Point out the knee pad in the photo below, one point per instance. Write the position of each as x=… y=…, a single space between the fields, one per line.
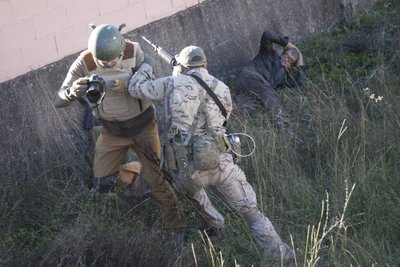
x=128 y=173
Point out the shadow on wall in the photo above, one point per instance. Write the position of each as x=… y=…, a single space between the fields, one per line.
x=39 y=141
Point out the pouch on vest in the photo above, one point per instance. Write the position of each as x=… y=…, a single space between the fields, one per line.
x=205 y=153
x=180 y=150
x=169 y=156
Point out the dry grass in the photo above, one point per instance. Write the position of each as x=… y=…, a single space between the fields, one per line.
x=347 y=149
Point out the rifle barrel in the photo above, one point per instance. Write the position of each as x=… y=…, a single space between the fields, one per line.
x=163 y=53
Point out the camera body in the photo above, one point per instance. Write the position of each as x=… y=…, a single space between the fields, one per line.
x=96 y=89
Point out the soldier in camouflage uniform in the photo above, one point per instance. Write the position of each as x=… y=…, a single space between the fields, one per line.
x=190 y=115
x=126 y=122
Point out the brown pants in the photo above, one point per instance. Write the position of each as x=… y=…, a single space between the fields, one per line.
x=110 y=152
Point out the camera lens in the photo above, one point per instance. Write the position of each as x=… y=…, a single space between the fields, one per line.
x=93 y=93
x=96 y=87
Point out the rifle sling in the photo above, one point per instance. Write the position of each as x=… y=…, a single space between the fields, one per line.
x=212 y=94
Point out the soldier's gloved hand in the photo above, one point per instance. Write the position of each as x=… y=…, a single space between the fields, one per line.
x=78 y=88
x=149 y=60
x=176 y=70
x=119 y=86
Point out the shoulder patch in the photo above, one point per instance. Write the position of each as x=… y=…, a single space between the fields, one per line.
x=88 y=59
x=128 y=53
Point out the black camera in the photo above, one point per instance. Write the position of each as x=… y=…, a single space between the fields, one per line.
x=96 y=88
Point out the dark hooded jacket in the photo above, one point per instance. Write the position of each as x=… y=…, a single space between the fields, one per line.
x=265 y=74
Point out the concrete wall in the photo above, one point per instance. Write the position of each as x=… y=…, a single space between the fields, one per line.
x=38 y=32
x=36 y=136
x=230 y=30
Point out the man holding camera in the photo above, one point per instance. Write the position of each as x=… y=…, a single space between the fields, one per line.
x=101 y=74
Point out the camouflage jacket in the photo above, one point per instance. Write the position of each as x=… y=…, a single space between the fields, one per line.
x=180 y=95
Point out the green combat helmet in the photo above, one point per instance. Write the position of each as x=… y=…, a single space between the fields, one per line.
x=192 y=56
x=106 y=42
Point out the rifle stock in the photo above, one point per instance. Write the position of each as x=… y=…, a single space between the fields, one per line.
x=163 y=53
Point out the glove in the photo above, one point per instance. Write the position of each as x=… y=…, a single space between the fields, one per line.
x=119 y=87
x=78 y=88
x=176 y=70
x=149 y=60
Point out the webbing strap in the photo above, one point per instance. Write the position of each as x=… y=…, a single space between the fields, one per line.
x=196 y=117
x=211 y=93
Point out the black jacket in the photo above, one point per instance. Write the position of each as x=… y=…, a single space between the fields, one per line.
x=265 y=73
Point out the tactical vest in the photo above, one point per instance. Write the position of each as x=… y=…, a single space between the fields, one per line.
x=116 y=106
x=203 y=150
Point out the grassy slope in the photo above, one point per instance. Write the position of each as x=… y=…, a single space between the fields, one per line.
x=347 y=137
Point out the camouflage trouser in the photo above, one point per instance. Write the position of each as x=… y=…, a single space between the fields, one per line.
x=110 y=152
x=231 y=184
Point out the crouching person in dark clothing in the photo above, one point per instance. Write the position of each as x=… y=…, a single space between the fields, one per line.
x=258 y=81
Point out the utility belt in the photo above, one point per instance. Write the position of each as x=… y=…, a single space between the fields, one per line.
x=131 y=127
x=202 y=151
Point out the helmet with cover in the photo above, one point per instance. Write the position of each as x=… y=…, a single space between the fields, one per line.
x=192 y=56
x=106 y=42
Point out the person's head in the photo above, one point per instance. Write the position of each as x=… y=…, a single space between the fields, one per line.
x=192 y=57
x=106 y=44
x=290 y=57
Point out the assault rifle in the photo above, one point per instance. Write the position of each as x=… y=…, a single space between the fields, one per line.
x=170 y=178
x=163 y=53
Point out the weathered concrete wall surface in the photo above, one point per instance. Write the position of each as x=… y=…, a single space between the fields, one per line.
x=230 y=30
x=35 y=136
x=38 y=32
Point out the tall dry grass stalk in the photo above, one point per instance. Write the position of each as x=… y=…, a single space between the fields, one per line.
x=320 y=234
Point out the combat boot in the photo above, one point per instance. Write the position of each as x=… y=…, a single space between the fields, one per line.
x=105 y=184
